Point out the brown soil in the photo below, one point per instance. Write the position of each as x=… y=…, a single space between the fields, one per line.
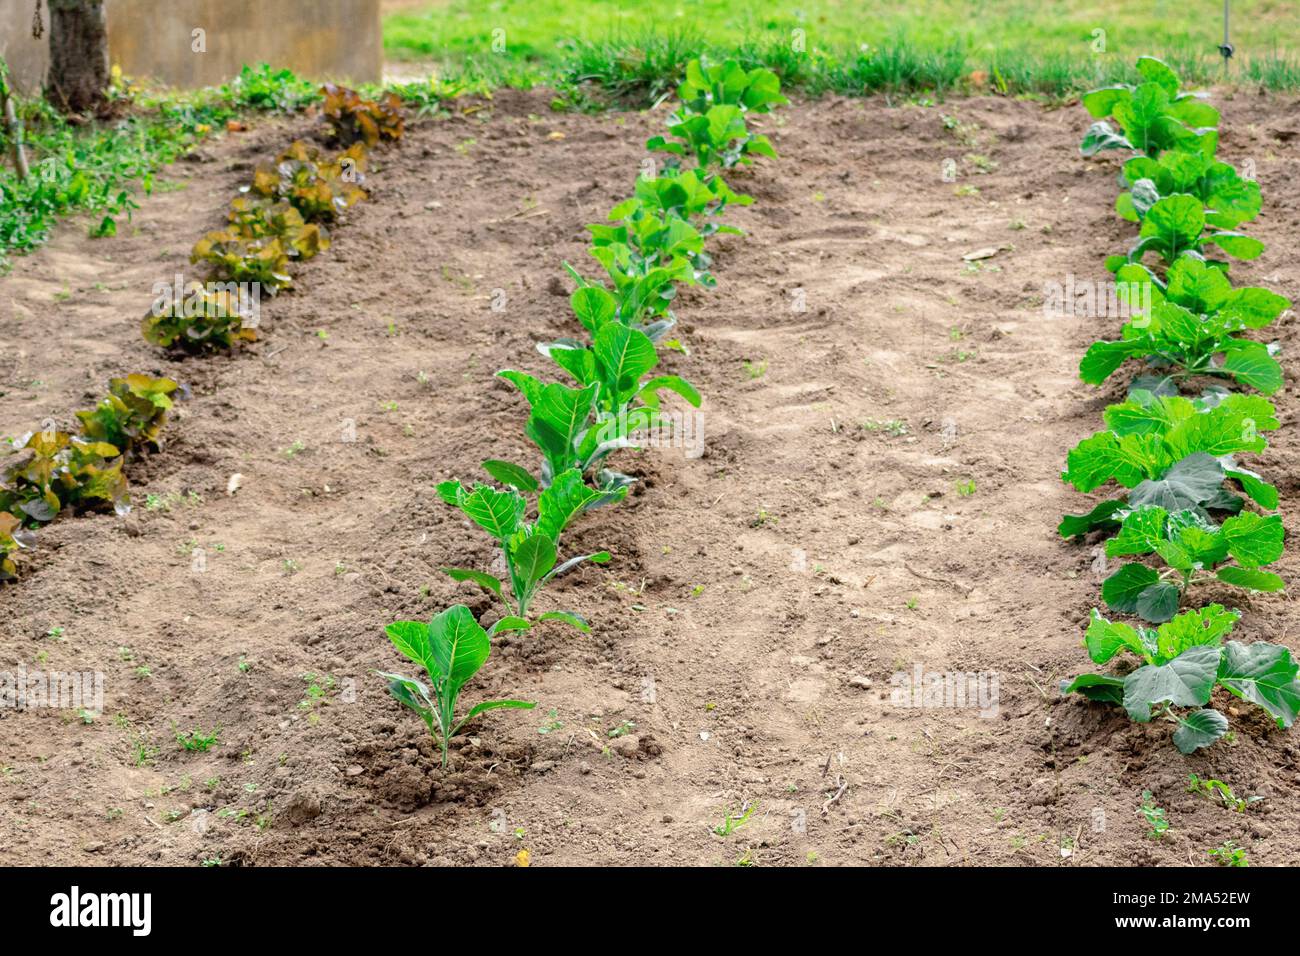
x=815 y=547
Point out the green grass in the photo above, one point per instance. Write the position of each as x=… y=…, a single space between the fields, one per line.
x=634 y=51
x=92 y=169
x=98 y=169
x=599 y=51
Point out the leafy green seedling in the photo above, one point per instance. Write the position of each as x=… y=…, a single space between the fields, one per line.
x=1154 y=816
x=196 y=740
x=717 y=137
x=1194 y=551
x=626 y=400
x=451 y=648
x=561 y=422
x=729 y=84
x=530 y=550
x=1153 y=116
x=1183 y=661
x=731 y=823
x=1177 y=226
x=686 y=194
x=623 y=729
x=1189 y=326
x=1228 y=199
x=1220 y=791
x=553 y=723
x=643 y=288
x=1229 y=854
x=1174 y=453
x=648 y=239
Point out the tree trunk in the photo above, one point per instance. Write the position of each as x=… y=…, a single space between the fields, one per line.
x=79 y=71
x=15 y=130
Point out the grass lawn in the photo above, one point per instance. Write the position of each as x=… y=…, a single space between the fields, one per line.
x=1014 y=45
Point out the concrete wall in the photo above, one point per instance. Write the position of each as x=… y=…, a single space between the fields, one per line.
x=28 y=58
x=319 y=39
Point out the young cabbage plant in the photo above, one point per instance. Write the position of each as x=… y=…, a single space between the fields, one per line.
x=617 y=360
x=1176 y=226
x=529 y=549
x=717 y=137
x=1228 y=199
x=1173 y=452
x=564 y=424
x=1178 y=344
x=1153 y=116
x=560 y=421
x=451 y=648
x=1202 y=287
x=729 y=84
x=685 y=194
x=655 y=239
x=580 y=427
x=1189 y=327
x=643 y=291
x=1182 y=662
x=1194 y=551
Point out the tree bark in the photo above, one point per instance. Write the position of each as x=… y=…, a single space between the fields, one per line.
x=79 y=72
